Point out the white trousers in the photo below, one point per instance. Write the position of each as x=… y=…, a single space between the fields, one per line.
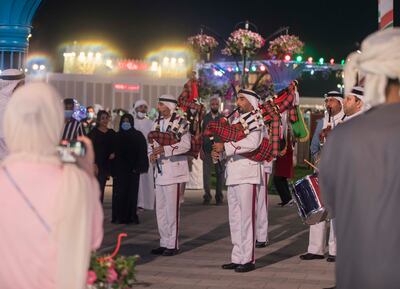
x=242 y=221
x=262 y=211
x=146 y=194
x=167 y=211
x=317 y=241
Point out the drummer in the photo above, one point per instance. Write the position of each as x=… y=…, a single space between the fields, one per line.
x=317 y=238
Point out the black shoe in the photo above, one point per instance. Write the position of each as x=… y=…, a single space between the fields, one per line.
x=245 y=268
x=331 y=258
x=206 y=202
x=283 y=204
x=261 y=244
x=170 y=252
x=158 y=251
x=219 y=203
x=230 y=266
x=136 y=221
x=310 y=256
x=334 y=287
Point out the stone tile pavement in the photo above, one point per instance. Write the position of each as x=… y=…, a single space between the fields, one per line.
x=205 y=245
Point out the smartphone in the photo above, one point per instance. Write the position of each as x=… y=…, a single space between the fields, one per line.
x=67 y=149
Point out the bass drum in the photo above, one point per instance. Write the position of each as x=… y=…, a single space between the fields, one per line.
x=306 y=194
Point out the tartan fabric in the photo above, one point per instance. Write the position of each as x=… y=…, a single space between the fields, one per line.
x=293 y=117
x=162 y=138
x=269 y=147
x=283 y=102
x=196 y=143
x=184 y=103
x=225 y=132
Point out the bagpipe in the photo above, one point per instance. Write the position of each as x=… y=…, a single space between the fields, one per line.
x=189 y=121
x=267 y=114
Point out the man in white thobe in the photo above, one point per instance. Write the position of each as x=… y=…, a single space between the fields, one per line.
x=146 y=195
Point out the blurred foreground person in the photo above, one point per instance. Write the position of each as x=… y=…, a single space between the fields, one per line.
x=359 y=171
x=10 y=80
x=51 y=215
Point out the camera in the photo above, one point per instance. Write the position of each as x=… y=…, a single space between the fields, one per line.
x=68 y=150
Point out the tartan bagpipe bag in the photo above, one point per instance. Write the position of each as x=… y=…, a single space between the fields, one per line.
x=177 y=127
x=269 y=113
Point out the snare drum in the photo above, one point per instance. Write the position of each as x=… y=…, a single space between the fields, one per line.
x=306 y=194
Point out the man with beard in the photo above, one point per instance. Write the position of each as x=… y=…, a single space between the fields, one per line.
x=317 y=238
x=208 y=165
x=243 y=178
x=173 y=172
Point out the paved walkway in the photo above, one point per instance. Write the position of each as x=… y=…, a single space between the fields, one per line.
x=205 y=245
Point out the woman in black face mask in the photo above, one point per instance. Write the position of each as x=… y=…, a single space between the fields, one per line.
x=130 y=161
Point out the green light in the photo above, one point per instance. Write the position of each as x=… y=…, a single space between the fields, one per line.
x=253 y=68
x=342 y=62
x=299 y=58
x=321 y=61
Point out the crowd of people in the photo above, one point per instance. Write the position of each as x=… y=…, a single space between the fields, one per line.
x=57 y=205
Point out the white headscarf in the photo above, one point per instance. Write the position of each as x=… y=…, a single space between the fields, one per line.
x=379 y=60
x=169 y=100
x=139 y=103
x=33 y=123
x=251 y=96
x=6 y=89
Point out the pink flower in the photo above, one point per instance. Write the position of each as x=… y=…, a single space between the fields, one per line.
x=111 y=275
x=91 y=278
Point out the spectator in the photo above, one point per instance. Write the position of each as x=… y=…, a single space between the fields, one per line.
x=90 y=122
x=103 y=144
x=72 y=127
x=130 y=161
x=213 y=115
x=52 y=210
x=10 y=80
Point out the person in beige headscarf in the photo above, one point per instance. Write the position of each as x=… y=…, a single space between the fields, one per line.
x=359 y=170
x=10 y=80
x=51 y=216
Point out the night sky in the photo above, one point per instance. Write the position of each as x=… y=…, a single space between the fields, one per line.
x=330 y=28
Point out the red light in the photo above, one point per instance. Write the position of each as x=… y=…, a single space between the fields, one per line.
x=310 y=60
x=230 y=69
x=124 y=86
x=262 y=68
x=287 y=57
x=332 y=61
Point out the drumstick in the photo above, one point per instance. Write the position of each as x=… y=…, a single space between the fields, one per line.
x=310 y=164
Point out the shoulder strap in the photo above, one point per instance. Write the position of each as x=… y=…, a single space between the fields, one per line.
x=26 y=199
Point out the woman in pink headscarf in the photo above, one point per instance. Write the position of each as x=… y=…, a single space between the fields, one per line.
x=51 y=217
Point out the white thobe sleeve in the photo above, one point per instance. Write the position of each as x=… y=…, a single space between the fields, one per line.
x=179 y=148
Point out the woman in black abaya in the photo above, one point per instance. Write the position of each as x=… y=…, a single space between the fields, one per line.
x=130 y=161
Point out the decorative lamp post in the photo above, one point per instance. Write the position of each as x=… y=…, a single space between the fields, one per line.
x=15 y=30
